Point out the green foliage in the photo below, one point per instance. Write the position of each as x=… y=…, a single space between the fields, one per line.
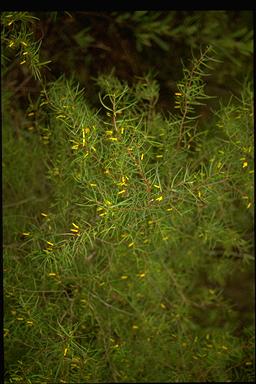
x=226 y=32
x=149 y=28
x=128 y=232
x=18 y=39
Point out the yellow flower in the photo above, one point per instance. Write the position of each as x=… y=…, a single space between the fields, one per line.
x=245 y=164
x=74 y=230
x=160 y=198
x=25 y=234
x=123 y=181
x=83 y=137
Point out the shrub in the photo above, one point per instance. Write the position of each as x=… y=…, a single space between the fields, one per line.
x=123 y=258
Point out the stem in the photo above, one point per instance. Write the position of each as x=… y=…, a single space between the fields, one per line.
x=138 y=165
x=191 y=76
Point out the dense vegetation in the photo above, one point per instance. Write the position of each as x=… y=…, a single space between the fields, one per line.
x=128 y=196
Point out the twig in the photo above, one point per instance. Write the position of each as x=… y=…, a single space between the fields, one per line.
x=23 y=202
